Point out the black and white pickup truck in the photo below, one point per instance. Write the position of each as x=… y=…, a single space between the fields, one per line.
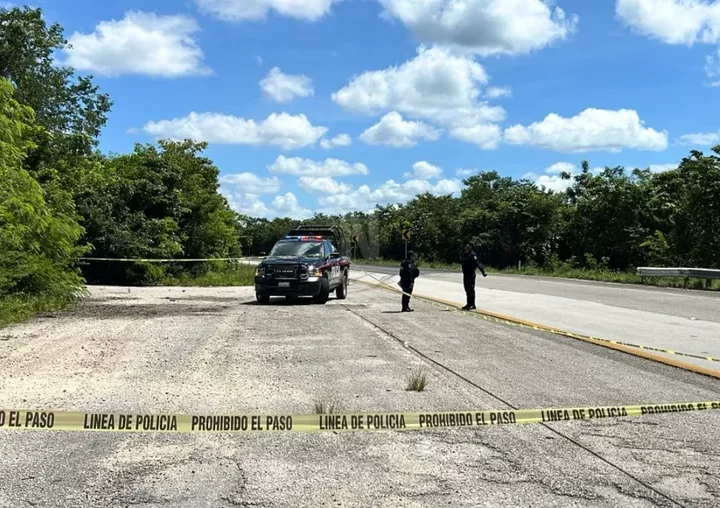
x=309 y=261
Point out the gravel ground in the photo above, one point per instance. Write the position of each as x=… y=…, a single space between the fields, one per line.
x=213 y=350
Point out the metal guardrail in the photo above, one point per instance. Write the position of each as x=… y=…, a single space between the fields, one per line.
x=695 y=273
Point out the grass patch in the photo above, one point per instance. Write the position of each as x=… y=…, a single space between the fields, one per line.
x=236 y=275
x=326 y=406
x=417 y=381
x=15 y=308
x=598 y=274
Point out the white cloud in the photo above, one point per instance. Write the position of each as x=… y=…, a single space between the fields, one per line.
x=259 y=60
x=673 y=21
x=423 y=170
x=700 y=138
x=549 y=182
x=323 y=184
x=307 y=167
x=686 y=22
x=712 y=68
x=339 y=140
x=592 y=129
x=438 y=86
x=487 y=136
x=284 y=88
x=140 y=43
x=464 y=173
x=485 y=27
x=661 y=168
x=283 y=205
x=246 y=204
x=560 y=167
x=287 y=205
x=286 y=131
x=254 y=10
x=496 y=92
x=252 y=183
x=392 y=130
x=243 y=191
x=551 y=177
x=364 y=198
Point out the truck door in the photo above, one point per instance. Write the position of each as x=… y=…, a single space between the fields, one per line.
x=335 y=265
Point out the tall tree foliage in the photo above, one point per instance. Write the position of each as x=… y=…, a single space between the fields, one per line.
x=157 y=202
x=614 y=219
x=39 y=243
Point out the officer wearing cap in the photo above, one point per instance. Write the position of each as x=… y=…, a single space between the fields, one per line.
x=408 y=273
x=470 y=263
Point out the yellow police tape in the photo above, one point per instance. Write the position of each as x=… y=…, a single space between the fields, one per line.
x=517 y=322
x=168 y=260
x=252 y=423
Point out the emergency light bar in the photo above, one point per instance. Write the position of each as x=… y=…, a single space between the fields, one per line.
x=304 y=237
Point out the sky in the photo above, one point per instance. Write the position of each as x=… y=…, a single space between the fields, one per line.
x=338 y=105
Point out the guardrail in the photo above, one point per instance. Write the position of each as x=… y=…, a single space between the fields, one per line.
x=694 y=273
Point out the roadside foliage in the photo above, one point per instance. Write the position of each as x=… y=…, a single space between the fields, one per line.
x=61 y=199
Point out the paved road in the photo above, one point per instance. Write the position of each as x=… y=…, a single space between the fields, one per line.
x=687 y=321
x=701 y=305
x=216 y=351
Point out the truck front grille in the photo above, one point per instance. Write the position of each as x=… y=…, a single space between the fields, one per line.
x=283 y=272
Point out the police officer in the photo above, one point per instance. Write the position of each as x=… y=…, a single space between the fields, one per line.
x=470 y=262
x=408 y=273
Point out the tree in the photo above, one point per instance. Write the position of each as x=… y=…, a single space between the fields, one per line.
x=697 y=220
x=62 y=104
x=38 y=242
x=157 y=202
x=70 y=108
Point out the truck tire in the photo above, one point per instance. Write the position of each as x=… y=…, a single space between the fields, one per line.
x=262 y=299
x=324 y=294
x=341 y=291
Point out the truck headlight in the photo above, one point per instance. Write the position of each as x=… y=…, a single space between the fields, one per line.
x=260 y=271
x=314 y=271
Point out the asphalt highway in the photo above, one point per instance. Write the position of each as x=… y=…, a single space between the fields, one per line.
x=215 y=351
x=679 y=320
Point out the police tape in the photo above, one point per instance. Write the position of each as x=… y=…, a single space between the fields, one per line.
x=489 y=316
x=252 y=423
x=166 y=260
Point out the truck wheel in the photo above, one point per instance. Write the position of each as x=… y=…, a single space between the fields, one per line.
x=341 y=291
x=324 y=295
x=263 y=299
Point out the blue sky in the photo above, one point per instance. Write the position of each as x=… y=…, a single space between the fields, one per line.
x=335 y=105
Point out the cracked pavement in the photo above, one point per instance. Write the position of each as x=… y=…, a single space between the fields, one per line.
x=213 y=350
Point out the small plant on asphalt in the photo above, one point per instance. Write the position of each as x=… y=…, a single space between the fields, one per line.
x=327 y=406
x=417 y=381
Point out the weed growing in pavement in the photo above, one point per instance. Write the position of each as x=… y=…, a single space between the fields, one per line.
x=417 y=381
x=326 y=406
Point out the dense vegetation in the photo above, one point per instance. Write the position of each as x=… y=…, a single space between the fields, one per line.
x=61 y=199
x=613 y=220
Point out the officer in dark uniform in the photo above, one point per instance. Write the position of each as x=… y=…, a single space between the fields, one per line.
x=470 y=262
x=408 y=273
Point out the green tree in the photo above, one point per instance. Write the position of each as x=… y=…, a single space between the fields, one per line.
x=38 y=242
x=63 y=103
x=156 y=202
x=697 y=220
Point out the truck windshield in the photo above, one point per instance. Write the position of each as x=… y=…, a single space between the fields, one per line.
x=293 y=249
